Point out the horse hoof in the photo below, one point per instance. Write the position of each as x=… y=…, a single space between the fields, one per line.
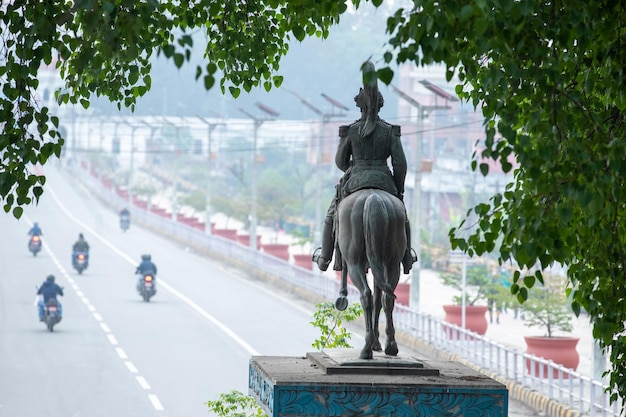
x=366 y=354
x=392 y=349
x=341 y=303
x=377 y=347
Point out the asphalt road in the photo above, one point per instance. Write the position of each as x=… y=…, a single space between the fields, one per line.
x=113 y=354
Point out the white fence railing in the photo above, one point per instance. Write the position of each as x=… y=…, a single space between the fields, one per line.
x=579 y=393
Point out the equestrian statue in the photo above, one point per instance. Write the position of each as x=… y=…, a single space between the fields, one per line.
x=366 y=223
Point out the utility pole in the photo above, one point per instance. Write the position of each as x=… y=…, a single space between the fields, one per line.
x=253 y=176
x=422 y=113
x=324 y=118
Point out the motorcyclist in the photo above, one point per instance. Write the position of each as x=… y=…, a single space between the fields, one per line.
x=49 y=291
x=124 y=218
x=145 y=267
x=35 y=230
x=81 y=245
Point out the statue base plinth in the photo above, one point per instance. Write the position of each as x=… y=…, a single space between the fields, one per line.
x=336 y=383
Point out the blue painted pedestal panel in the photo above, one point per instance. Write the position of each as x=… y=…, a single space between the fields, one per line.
x=307 y=386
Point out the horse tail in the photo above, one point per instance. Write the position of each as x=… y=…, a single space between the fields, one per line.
x=376 y=227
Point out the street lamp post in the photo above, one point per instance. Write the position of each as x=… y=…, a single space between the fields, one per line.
x=151 y=163
x=422 y=112
x=207 y=215
x=253 y=180
x=132 y=158
x=176 y=185
x=324 y=118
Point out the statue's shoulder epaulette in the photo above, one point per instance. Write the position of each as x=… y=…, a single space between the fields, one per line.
x=344 y=129
x=395 y=129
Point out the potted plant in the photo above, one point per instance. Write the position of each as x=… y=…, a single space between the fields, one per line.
x=547 y=308
x=478 y=285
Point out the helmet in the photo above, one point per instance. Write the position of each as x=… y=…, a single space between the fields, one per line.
x=146 y=257
x=50 y=278
x=80 y=236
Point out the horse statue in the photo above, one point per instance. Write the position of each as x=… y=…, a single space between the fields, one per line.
x=371 y=235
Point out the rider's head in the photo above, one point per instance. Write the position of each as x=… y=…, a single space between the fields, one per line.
x=50 y=278
x=80 y=236
x=35 y=224
x=146 y=257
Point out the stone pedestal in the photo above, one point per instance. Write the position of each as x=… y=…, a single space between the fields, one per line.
x=336 y=383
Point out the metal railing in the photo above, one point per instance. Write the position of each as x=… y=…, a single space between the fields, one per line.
x=582 y=394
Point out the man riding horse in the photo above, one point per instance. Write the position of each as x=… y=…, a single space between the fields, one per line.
x=364 y=147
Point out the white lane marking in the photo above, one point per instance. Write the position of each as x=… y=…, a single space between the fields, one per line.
x=85 y=300
x=155 y=402
x=97 y=316
x=143 y=383
x=131 y=367
x=121 y=353
x=163 y=283
x=112 y=339
x=105 y=328
x=79 y=292
x=91 y=308
x=212 y=319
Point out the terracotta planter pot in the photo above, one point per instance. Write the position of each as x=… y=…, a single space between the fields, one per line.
x=561 y=350
x=226 y=233
x=403 y=293
x=475 y=319
x=279 y=250
x=245 y=240
x=303 y=260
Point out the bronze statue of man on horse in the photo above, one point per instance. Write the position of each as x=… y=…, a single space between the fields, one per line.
x=363 y=150
x=368 y=216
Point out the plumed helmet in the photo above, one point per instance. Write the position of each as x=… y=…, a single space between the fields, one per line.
x=50 y=278
x=146 y=257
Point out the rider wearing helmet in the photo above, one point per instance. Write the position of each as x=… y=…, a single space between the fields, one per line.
x=35 y=230
x=49 y=291
x=145 y=267
x=81 y=245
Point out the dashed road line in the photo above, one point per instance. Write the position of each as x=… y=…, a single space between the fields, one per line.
x=121 y=353
x=143 y=383
x=154 y=400
x=131 y=367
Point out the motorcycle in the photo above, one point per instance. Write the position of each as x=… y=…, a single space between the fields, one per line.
x=80 y=262
x=147 y=287
x=124 y=223
x=51 y=314
x=34 y=244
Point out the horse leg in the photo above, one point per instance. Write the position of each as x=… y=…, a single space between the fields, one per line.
x=391 y=347
x=366 y=303
x=375 y=318
x=389 y=300
x=342 y=302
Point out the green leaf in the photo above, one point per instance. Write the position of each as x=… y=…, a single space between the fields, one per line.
x=17 y=212
x=385 y=75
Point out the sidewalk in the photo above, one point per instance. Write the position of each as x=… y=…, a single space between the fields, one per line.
x=510 y=331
